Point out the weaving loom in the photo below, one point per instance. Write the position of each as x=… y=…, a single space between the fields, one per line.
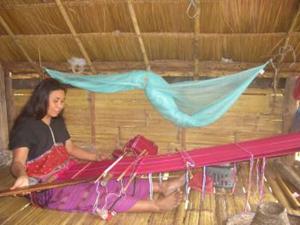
x=236 y=152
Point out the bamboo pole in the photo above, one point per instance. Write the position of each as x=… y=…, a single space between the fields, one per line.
x=9 y=99
x=83 y=51
x=138 y=33
x=288 y=173
x=196 y=40
x=166 y=68
x=289 y=195
x=188 y=35
x=43 y=186
x=3 y=112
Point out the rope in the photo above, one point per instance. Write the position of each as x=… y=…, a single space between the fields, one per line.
x=192 y=7
x=234 y=174
x=262 y=179
x=187 y=186
x=282 y=52
x=247 y=206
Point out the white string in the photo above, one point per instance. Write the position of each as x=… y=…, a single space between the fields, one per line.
x=52 y=134
x=160 y=178
x=151 y=186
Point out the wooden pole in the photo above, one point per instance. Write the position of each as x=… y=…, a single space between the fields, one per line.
x=3 y=113
x=43 y=186
x=287 y=173
x=196 y=41
x=166 y=68
x=289 y=110
x=138 y=33
x=9 y=99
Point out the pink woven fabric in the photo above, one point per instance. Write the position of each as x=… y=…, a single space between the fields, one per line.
x=236 y=152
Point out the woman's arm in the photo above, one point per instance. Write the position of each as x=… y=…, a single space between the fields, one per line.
x=79 y=153
x=18 y=168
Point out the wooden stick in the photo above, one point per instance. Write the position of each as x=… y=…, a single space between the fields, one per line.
x=43 y=186
x=128 y=167
x=130 y=180
x=82 y=169
x=289 y=195
x=288 y=173
x=138 y=33
x=106 y=171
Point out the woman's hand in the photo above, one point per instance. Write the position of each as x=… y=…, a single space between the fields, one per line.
x=22 y=181
x=102 y=156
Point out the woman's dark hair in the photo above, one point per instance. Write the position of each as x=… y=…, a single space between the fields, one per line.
x=37 y=105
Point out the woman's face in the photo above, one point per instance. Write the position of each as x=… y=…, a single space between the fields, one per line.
x=56 y=103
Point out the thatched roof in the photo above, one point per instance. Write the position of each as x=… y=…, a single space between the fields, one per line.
x=156 y=34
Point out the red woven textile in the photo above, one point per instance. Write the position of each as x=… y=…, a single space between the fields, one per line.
x=296 y=92
x=56 y=157
x=236 y=152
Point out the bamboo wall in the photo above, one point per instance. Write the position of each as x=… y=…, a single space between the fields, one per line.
x=119 y=117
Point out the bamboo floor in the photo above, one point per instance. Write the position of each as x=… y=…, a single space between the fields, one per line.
x=214 y=209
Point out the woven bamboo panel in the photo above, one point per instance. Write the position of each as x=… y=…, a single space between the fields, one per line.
x=121 y=116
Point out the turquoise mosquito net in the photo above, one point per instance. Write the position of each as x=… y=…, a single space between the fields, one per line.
x=186 y=104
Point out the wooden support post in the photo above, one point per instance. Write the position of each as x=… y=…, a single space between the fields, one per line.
x=289 y=110
x=3 y=113
x=289 y=104
x=9 y=99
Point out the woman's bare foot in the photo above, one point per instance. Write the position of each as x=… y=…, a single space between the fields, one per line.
x=170 y=202
x=169 y=187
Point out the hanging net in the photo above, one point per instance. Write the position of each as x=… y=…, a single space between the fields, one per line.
x=186 y=104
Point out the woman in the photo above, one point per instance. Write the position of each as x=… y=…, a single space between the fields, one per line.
x=41 y=148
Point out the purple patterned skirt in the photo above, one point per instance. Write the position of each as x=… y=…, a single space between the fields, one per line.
x=92 y=197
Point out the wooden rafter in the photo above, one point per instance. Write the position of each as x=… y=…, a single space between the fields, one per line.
x=160 y=34
x=196 y=40
x=74 y=34
x=89 y=62
x=174 y=68
x=17 y=42
x=138 y=33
